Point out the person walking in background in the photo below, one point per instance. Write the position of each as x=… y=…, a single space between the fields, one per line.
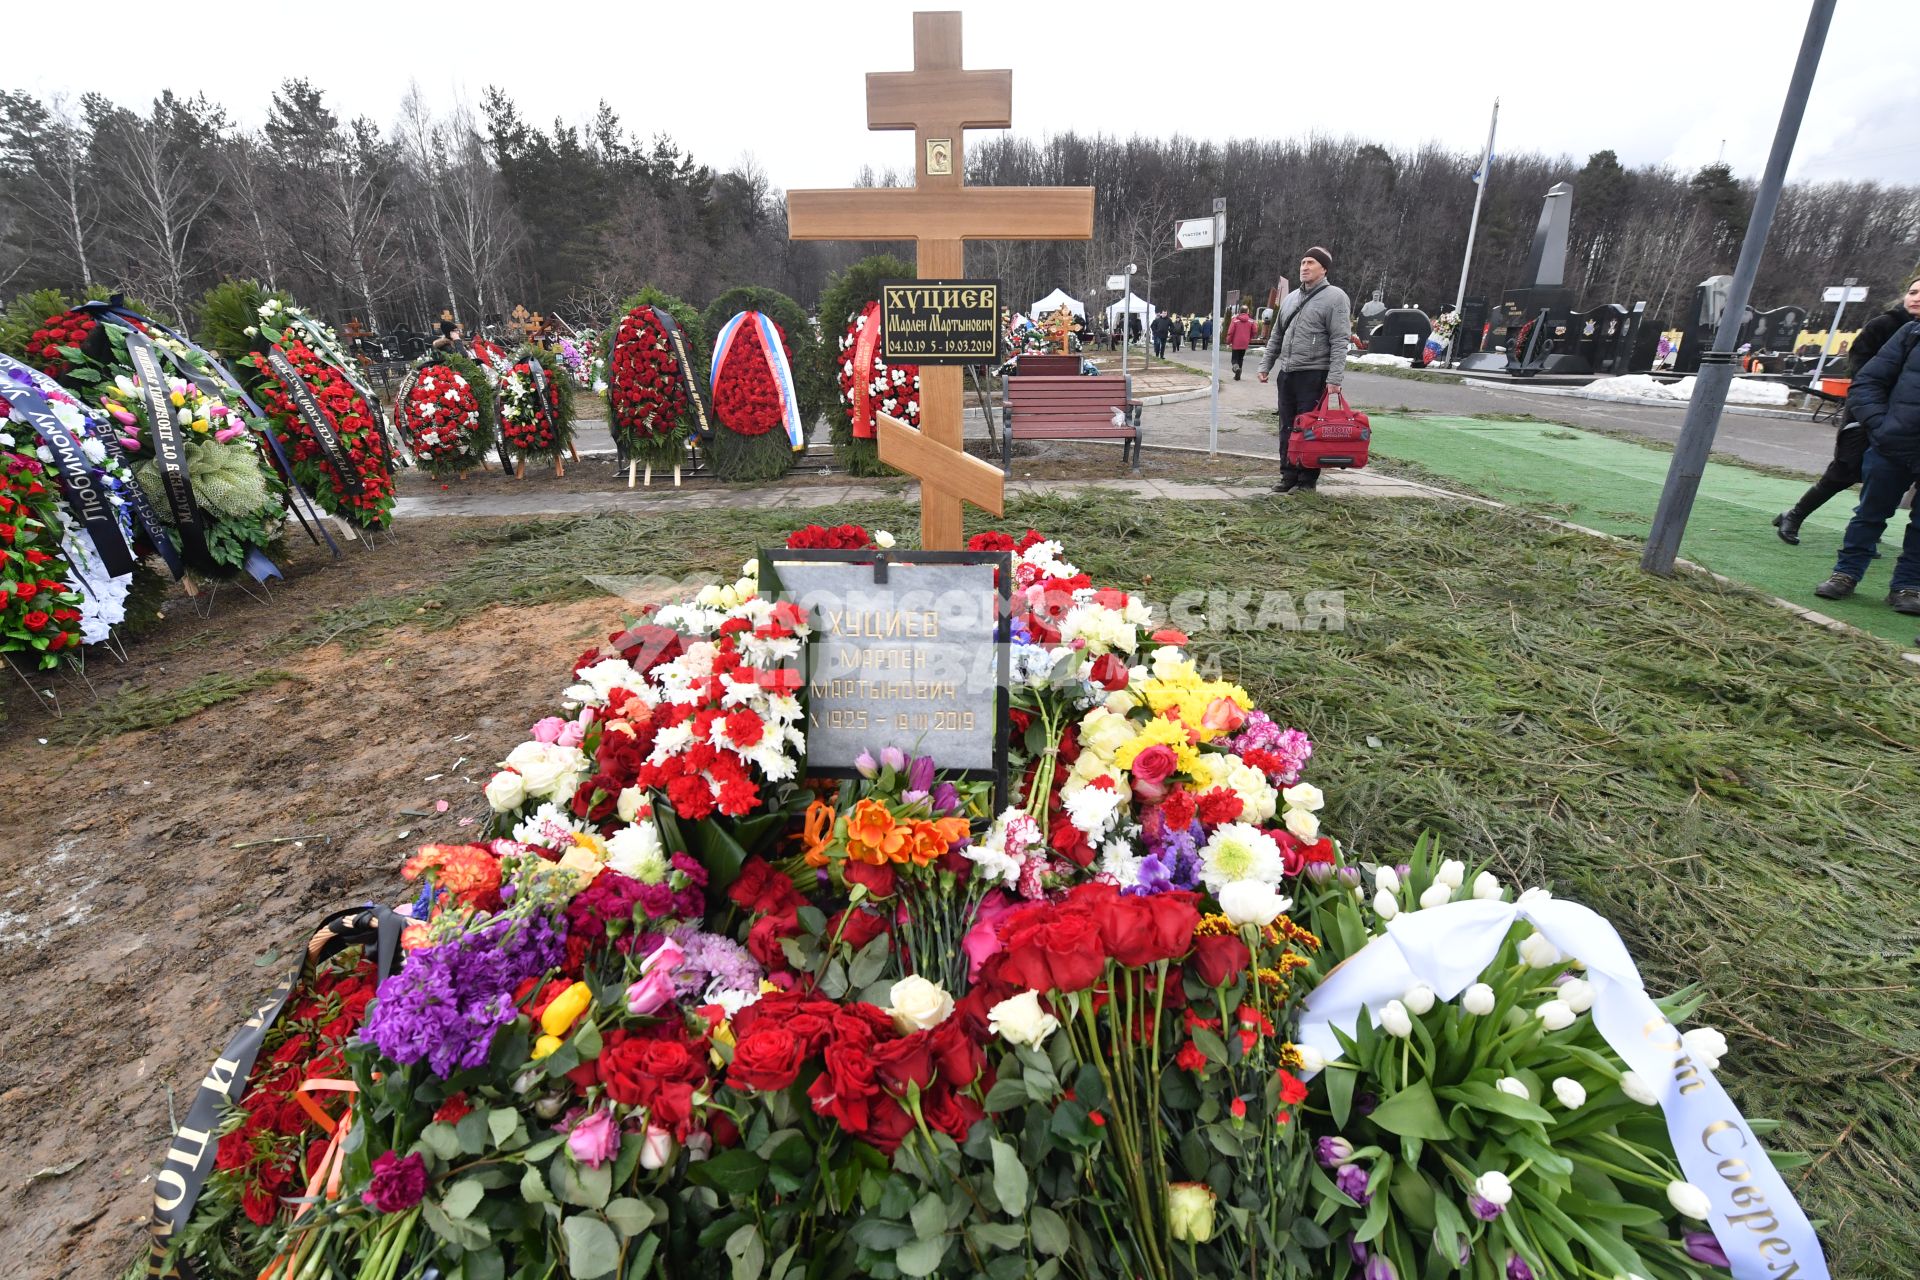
x=1309 y=344
x=1206 y=334
x=1885 y=398
x=1174 y=330
x=1161 y=327
x=1240 y=337
x=1193 y=332
x=1850 y=445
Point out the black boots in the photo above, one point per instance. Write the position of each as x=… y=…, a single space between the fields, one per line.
x=1787 y=525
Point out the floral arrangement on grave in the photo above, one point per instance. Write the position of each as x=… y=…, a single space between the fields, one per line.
x=579 y=356
x=756 y=407
x=536 y=408
x=40 y=607
x=445 y=411
x=648 y=407
x=341 y=459
x=683 y=997
x=852 y=300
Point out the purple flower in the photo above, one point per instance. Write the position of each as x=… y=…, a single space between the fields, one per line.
x=946 y=798
x=1333 y=1153
x=397 y=1183
x=1701 y=1246
x=1357 y=1251
x=1379 y=1268
x=893 y=758
x=1517 y=1268
x=446 y=1002
x=1352 y=1181
x=1364 y=1102
x=920 y=774
x=713 y=961
x=865 y=764
x=1483 y=1208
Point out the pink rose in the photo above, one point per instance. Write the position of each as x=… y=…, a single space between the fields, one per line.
x=548 y=730
x=1223 y=715
x=575 y=731
x=983 y=940
x=595 y=1139
x=1151 y=769
x=654 y=990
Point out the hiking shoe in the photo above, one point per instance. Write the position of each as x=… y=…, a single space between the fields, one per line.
x=1905 y=600
x=1838 y=587
x=1787 y=525
x=1287 y=485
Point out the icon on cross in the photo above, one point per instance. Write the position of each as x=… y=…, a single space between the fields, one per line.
x=939 y=100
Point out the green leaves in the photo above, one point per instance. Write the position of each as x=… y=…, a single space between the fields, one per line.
x=747 y=1252
x=1412 y=1113
x=592 y=1248
x=1009 y=1179
x=918 y=1258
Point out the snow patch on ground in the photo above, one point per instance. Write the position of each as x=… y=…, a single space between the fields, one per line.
x=1640 y=386
x=1381 y=358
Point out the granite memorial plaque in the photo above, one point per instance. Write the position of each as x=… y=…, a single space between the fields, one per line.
x=940 y=321
x=908 y=652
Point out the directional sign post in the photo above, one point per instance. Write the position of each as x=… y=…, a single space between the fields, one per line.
x=1209 y=233
x=1123 y=283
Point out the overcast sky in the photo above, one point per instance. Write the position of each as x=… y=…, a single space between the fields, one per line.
x=782 y=81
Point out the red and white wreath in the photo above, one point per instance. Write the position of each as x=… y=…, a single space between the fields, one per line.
x=890 y=389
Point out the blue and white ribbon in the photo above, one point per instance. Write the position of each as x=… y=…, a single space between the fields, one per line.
x=776 y=363
x=1765 y=1234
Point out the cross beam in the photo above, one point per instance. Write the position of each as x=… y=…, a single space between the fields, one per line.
x=939 y=101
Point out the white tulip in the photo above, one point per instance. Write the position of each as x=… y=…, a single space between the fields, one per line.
x=1486 y=887
x=1311 y=1059
x=1634 y=1085
x=1538 y=953
x=1385 y=906
x=1572 y=1094
x=1452 y=873
x=1536 y=894
x=1395 y=1020
x=1419 y=998
x=1493 y=1187
x=1555 y=1015
x=1689 y=1200
x=1386 y=880
x=1478 y=999
x=1252 y=902
x=1437 y=894
x=1515 y=1086
x=1705 y=1046
x=1578 y=993
x=883 y=539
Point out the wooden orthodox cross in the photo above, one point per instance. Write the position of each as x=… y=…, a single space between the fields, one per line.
x=939 y=101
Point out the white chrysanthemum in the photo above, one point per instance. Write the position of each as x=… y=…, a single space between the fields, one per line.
x=1240 y=851
x=597 y=682
x=636 y=851
x=1119 y=863
x=1093 y=809
x=550 y=827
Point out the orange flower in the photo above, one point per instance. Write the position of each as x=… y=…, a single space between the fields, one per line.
x=818 y=833
x=469 y=873
x=872 y=836
x=927 y=844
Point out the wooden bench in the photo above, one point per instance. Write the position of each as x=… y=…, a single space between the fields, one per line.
x=1033 y=364
x=1073 y=408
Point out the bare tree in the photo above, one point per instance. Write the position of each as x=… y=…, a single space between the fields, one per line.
x=483 y=232
x=160 y=192
x=244 y=164
x=44 y=150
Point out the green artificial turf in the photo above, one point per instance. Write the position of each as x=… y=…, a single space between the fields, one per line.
x=1614 y=485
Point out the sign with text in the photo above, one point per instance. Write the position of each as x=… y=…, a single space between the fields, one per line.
x=940 y=321
x=1844 y=293
x=1193 y=233
x=1116 y=283
x=909 y=653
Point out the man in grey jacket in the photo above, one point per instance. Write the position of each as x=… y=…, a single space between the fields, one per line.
x=1309 y=343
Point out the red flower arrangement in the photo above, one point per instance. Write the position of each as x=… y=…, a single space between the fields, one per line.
x=645 y=392
x=441 y=415
x=841 y=537
x=39 y=612
x=745 y=398
x=354 y=421
x=891 y=389
x=533 y=423
x=68 y=329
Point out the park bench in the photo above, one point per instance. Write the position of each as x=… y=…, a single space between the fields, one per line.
x=1036 y=407
x=1034 y=365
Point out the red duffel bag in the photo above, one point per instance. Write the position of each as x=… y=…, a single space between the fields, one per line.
x=1326 y=436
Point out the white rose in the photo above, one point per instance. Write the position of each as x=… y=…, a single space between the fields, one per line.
x=1437 y=895
x=1538 y=953
x=750 y=568
x=1020 y=1020
x=1303 y=795
x=1578 y=993
x=1513 y=1085
x=1395 y=1020
x=1493 y=1187
x=1572 y=1094
x=1384 y=905
x=1689 y=1200
x=1478 y=999
x=1419 y=998
x=1311 y=1059
x=883 y=539
x=1252 y=902
x=626 y=805
x=545 y=766
x=1386 y=880
x=1555 y=1015
x=1452 y=873
x=657 y=1151
x=1706 y=1046
x=1635 y=1086
x=636 y=852
x=506 y=791
x=1486 y=887
x=1303 y=825
x=917 y=1004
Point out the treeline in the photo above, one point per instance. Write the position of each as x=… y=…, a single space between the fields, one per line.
x=477 y=211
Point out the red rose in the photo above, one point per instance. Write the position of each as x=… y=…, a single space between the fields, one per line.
x=862 y=1024
x=769 y=1059
x=1220 y=958
x=764 y=891
x=763 y=941
x=813 y=1030
x=880 y=880
x=671 y=1060
x=846 y=1090
x=35 y=620
x=957 y=1056
x=903 y=1062
x=951 y=1112
x=1151 y=769
x=619 y=1068
x=857 y=927
x=1108 y=672
x=1062 y=954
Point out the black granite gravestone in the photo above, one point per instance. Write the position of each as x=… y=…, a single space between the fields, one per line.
x=1703 y=322
x=1402 y=331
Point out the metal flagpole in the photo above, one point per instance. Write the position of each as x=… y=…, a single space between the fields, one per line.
x=1219 y=239
x=1716 y=367
x=1479 y=190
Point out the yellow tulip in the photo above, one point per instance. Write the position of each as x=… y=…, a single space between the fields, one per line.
x=544 y=1046
x=178 y=399
x=566 y=1009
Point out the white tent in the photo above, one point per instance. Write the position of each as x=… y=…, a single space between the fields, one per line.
x=1136 y=304
x=1052 y=303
